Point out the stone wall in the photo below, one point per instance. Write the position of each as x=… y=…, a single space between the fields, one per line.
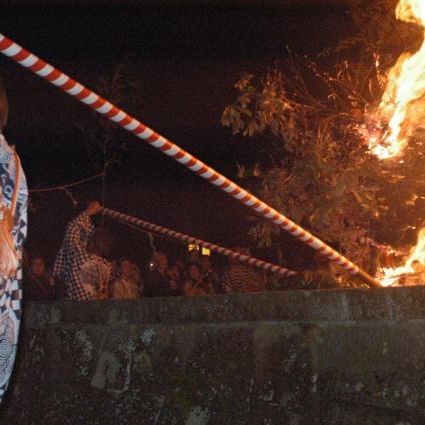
x=302 y=357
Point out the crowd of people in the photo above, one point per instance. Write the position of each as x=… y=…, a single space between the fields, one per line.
x=83 y=270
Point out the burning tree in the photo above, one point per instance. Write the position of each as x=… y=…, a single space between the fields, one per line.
x=343 y=148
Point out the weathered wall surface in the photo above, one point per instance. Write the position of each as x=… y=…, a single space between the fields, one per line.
x=318 y=357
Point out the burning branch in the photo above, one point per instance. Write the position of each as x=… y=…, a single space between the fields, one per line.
x=330 y=135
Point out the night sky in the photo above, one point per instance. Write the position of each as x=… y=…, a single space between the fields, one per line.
x=183 y=62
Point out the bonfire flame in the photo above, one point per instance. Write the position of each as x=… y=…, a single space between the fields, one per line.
x=402 y=106
x=400 y=112
x=415 y=264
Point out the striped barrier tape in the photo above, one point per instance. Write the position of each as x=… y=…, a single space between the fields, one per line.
x=252 y=261
x=102 y=106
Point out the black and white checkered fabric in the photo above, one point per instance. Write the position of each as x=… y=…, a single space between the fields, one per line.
x=72 y=255
x=95 y=275
x=241 y=278
x=11 y=289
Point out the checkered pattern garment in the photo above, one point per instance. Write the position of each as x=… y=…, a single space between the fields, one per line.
x=95 y=275
x=11 y=288
x=72 y=255
x=241 y=278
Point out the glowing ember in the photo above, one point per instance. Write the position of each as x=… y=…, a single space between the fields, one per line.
x=413 y=270
x=402 y=105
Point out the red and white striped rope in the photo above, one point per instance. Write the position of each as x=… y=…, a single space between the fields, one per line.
x=186 y=238
x=107 y=109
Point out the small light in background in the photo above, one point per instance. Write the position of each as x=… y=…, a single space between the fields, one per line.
x=193 y=247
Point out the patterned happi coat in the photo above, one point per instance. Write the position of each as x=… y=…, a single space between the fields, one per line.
x=95 y=275
x=72 y=255
x=11 y=289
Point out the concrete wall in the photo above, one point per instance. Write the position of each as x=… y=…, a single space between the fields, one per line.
x=317 y=357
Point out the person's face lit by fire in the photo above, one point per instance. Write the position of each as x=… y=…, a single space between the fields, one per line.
x=125 y=268
x=174 y=276
x=174 y=273
x=194 y=272
x=37 y=266
x=206 y=264
x=161 y=261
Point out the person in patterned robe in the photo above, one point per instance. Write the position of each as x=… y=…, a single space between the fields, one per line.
x=97 y=272
x=241 y=278
x=10 y=280
x=74 y=253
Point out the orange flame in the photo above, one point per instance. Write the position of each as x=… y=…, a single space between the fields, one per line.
x=415 y=263
x=401 y=105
